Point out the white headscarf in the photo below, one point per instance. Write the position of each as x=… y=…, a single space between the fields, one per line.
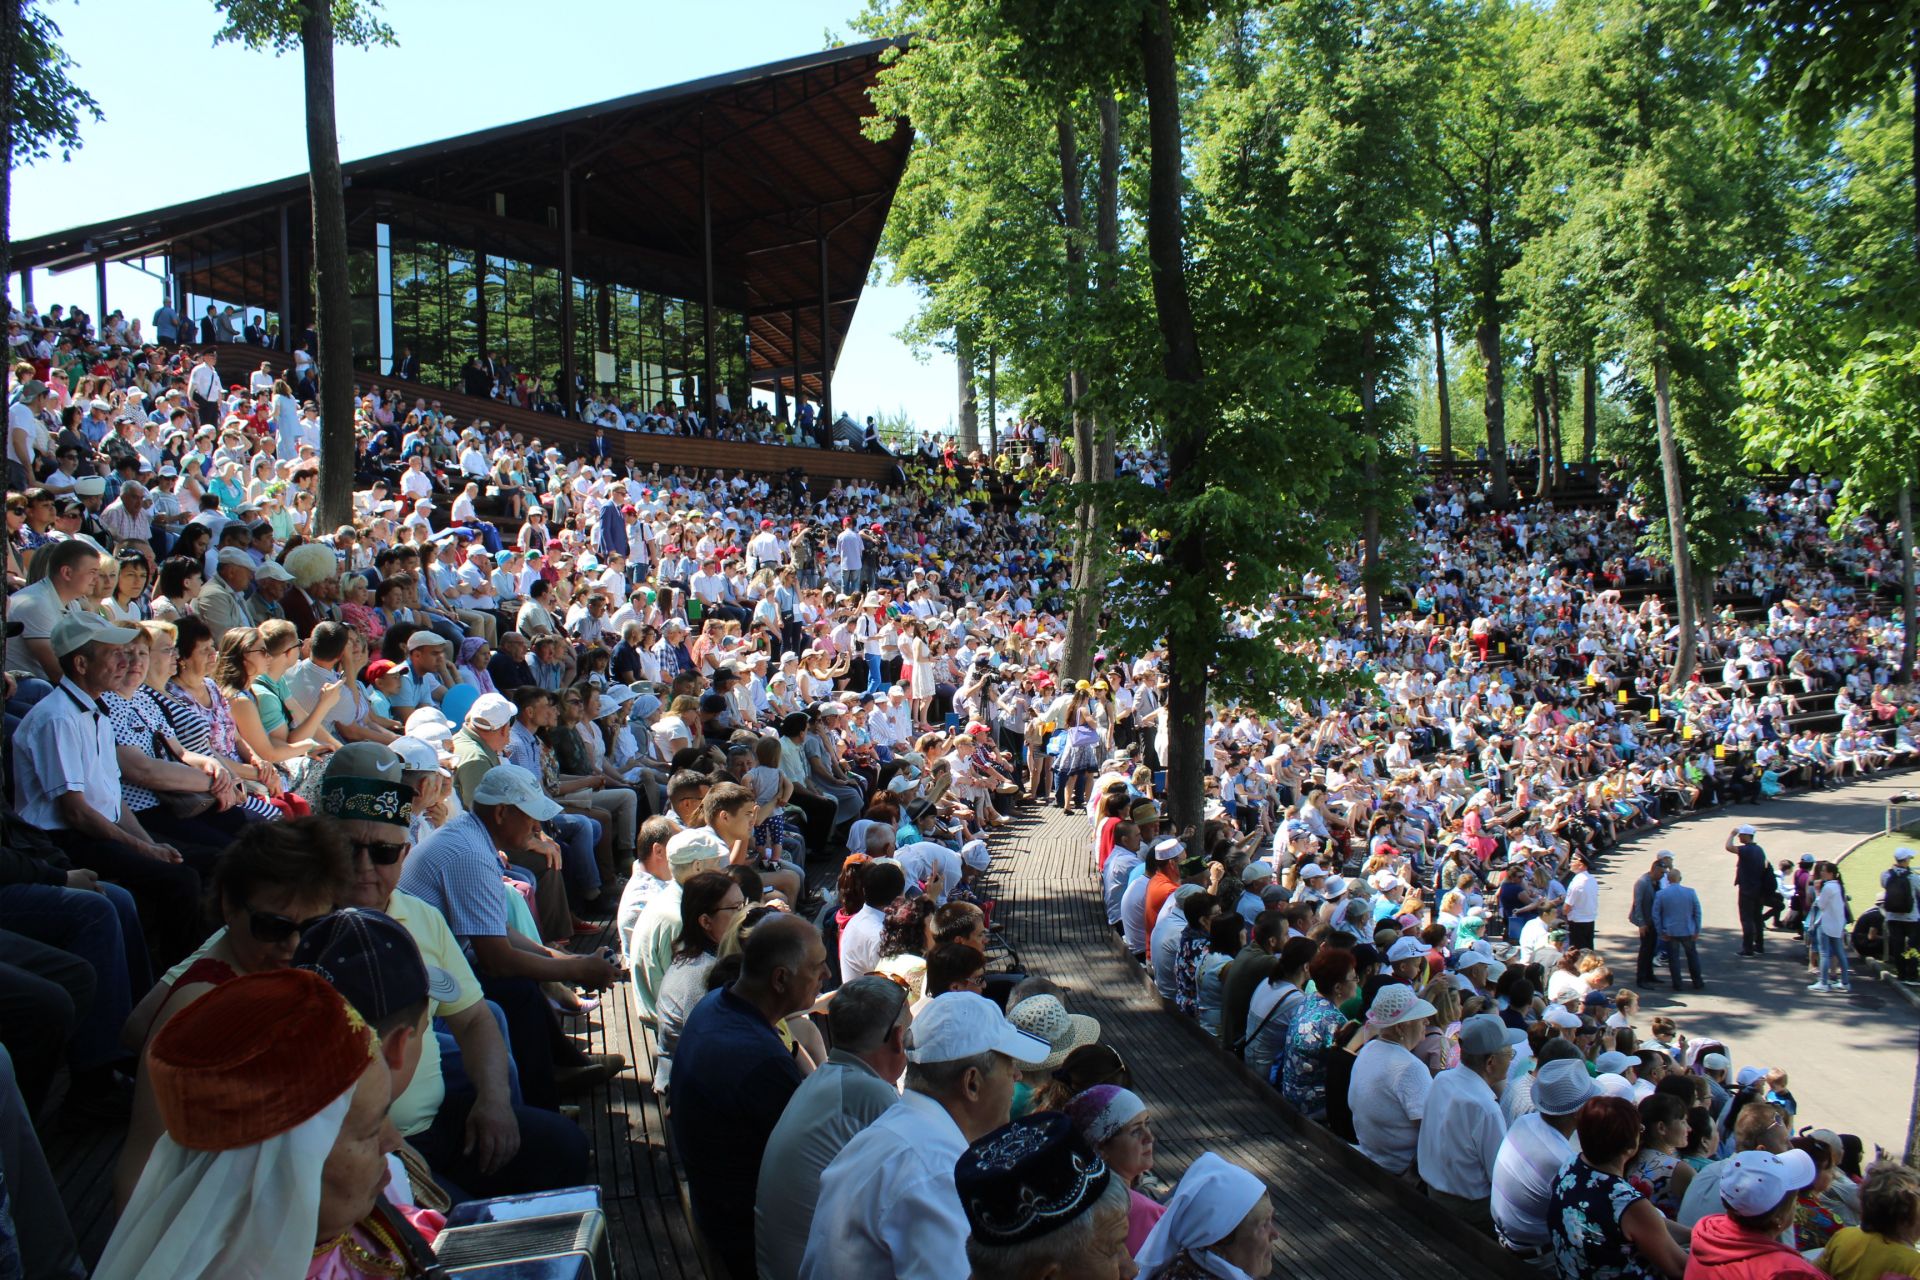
x=225 y=1215
x=1212 y=1199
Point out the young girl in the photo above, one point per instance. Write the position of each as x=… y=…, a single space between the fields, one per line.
x=769 y=786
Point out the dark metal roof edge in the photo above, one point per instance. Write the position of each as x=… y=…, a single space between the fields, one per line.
x=59 y=244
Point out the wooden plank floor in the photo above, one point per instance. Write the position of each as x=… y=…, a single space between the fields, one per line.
x=1338 y=1216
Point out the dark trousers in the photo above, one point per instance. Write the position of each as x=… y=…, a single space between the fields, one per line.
x=552 y=1154
x=200 y=840
x=818 y=815
x=1580 y=934
x=533 y=1035
x=103 y=931
x=1673 y=947
x=167 y=893
x=44 y=995
x=1903 y=936
x=1643 y=962
x=1753 y=929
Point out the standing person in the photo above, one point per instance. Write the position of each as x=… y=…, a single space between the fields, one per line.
x=1827 y=928
x=1753 y=880
x=1676 y=917
x=1641 y=918
x=1900 y=908
x=1582 y=904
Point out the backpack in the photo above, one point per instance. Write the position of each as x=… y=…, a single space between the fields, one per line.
x=1899 y=896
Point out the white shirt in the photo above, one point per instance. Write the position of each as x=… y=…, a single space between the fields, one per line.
x=1461 y=1136
x=1583 y=898
x=65 y=744
x=887 y=1202
x=1388 y=1095
x=416 y=484
x=860 y=943
x=37 y=608
x=1531 y=1157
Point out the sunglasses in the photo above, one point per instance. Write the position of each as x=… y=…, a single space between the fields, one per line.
x=381 y=853
x=270 y=927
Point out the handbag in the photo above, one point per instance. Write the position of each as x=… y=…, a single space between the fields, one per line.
x=179 y=805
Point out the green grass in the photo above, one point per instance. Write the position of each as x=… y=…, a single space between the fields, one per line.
x=1860 y=870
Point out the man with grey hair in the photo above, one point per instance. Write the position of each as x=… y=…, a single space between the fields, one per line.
x=887 y=1203
x=129 y=517
x=1461 y=1134
x=869 y=1018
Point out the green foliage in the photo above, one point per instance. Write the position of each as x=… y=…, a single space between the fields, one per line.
x=276 y=24
x=48 y=106
x=1824 y=58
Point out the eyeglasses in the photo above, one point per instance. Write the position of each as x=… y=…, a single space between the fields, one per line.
x=271 y=927
x=381 y=853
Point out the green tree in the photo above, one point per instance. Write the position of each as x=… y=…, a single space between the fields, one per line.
x=41 y=109
x=1662 y=183
x=313 y=26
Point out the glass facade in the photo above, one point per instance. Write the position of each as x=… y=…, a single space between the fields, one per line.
x=447 y=302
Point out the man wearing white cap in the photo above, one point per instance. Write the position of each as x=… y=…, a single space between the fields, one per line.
x=1388 y=1091
x=1464 y=1127
x=1754 y=883
x=1537 y=1145
x=480 y=742
x=1900 y=907
x=66 y=777
x=1313 y=879
x=887 y=1203
x=221 y=603
x=1753 y=1234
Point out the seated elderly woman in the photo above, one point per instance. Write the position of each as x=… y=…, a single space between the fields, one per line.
x=274 y=1096
x=1218 y=1223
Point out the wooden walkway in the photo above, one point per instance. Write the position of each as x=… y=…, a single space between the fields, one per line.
x=1339 y=1216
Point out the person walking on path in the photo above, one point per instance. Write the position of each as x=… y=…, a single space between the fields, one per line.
x=1827 y=927
x=1582 y=904
x=1753 y=879
x=1640 y=916
x=1900 y=907
x=1676 y=917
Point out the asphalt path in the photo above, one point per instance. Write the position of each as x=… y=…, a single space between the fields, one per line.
x=1852 y=1059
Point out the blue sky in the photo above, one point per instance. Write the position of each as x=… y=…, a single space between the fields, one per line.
x=460 y=65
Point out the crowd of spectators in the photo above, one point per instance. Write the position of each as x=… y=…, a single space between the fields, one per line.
x=763 y=732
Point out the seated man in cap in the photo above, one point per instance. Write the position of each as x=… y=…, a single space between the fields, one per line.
x=887 y=1204
x=221 y=603
x=67 y=783
x=1752 y=1234
x=457 y=1111
x=1041 y=1205
x=457 y=871
x=275 y=1097
x=1537 y=1145
x=1461 y=1135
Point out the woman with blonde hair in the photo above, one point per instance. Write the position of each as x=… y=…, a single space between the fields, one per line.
x=252 y=664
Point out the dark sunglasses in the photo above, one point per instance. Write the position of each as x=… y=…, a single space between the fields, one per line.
x=268 y=927
x=380 y=853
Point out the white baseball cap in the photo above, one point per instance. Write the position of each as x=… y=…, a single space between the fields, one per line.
x=1755 y=1182
x=1406 y=949
x=419 y=757
x=272 y=571
x=1312 y=871
x=510 y=784
x=430 y=725
x=422 y=638
x=77 y=630
x=492 y=711
x=1616 y=1062
x=1744 y=830
x=1560 y=1017
x=234 y=557
x=1903 y=854
x=964 y=1024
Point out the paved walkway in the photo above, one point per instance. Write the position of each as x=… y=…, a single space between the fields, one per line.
x=1851 y=1059
x=1339 y=1218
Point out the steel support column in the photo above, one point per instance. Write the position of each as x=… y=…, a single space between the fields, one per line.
x=826 y=343
x=286 y=276
x=567 y=365
x=100 y=295
x=707 y=395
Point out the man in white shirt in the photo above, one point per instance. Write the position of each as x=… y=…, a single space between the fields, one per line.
x=860 y=940
x=887 y=1203
x=72 y=568
x=1388 y=1093
x=1582 y=904
x=1537 y=1146
x=414 y=481
x=1461 y=1136
x=203 y=386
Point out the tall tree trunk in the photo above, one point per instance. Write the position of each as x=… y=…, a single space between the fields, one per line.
x=1084 y=603
x=1370 y=471
x=332 y=305
x=1589 y=412
x=11 y=15
x=1487 y=336
x=1543 y=465
x=1907 y=600
x=1190 y=642
x=1442 y=392
x=969 y=400
x=1106 y=242
x=993 y=400
x=1553 y=416
x=1683 y=597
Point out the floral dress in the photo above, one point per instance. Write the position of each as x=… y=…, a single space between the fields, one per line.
x=1303 y=1064
x=1186 y=971
x=1655 y=1168
x=1583 y=1223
